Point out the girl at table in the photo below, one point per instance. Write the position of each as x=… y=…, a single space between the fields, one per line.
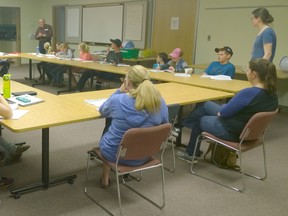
x=55 y=71
x=114 y=57
x=8 y=152
x=84 y=54
x=177 y=63
x=227 y=121
x=137 y=103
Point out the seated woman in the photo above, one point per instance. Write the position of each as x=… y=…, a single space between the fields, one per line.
x=55 y=71
x=177 y=63
x=137 y=103
x=228 y=121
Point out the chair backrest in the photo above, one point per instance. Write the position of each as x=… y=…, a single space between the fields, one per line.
x=257 y=125
x=173 y=111
x=139 y=143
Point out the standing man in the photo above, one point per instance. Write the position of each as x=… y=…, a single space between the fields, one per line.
x=44 y=34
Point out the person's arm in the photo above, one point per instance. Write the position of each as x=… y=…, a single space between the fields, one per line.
x=238 y=102
x=5 y=109
x=106 y=108
x=267 y=51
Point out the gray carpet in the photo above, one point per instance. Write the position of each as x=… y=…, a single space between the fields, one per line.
x=185 y=194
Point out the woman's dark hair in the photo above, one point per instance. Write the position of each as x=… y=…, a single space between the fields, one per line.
x=164 y=57
x=264 y=15
x=266 y=72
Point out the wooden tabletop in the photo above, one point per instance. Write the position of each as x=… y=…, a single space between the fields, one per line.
x=71 y=108
x=53 y=111
x=173 y=93
x=239 y=70
x=195 y=80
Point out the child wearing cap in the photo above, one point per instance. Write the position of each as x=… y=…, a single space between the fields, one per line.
x=223 y=66
x=177 y=63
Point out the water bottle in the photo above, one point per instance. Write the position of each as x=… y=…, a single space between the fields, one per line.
x=37 y=50
x=6 y=86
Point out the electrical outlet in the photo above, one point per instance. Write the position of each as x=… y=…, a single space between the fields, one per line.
x=209 y=38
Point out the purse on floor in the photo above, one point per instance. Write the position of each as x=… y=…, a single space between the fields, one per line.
x=223 y=157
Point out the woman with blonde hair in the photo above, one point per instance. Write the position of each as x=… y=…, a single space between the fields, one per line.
x=137 y=103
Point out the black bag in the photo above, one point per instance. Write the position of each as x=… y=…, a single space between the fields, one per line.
x=223 y=157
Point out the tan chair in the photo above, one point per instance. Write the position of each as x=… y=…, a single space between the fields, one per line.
x=173 y=111
x=252 y=136
x=137 y=143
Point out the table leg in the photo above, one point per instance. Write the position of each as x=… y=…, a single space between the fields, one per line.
x=46 y=182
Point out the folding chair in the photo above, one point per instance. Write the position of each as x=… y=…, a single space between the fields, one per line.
x=173 y=111
x=137 y=143
x=252 y=136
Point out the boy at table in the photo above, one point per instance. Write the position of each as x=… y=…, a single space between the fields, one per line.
x=223 y=66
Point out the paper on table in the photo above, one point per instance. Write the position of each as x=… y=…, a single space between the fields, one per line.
x=156 y=71
x=17 y=114
x=182 y=75
x=217 y=77
x=123 y=65
x=96 y=102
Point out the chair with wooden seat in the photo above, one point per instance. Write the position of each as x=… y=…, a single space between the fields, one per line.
x=251 y=137
x=136 y=144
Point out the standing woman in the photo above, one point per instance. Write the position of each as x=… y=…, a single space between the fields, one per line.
x=265 y=43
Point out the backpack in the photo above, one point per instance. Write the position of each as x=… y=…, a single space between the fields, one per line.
x=223 y=157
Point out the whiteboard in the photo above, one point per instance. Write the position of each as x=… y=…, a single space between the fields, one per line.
x=101 y=23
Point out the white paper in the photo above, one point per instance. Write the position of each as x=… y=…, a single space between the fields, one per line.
x=217 y=77
x=96 y=102
x=182 y=75
x=123 y=65
x=17 y=114
x=156 y=71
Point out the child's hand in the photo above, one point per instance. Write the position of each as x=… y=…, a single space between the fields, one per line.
x=171 y=68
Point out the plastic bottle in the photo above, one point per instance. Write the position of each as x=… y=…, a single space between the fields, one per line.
x=37 y=50
x=6 y=86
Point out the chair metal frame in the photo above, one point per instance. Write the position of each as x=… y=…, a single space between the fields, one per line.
x=173 y=111
x=252 y=136
x=146 y=142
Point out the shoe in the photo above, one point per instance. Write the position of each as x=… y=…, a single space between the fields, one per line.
x=181 y=155
x=5 y=182
x=17 y=154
